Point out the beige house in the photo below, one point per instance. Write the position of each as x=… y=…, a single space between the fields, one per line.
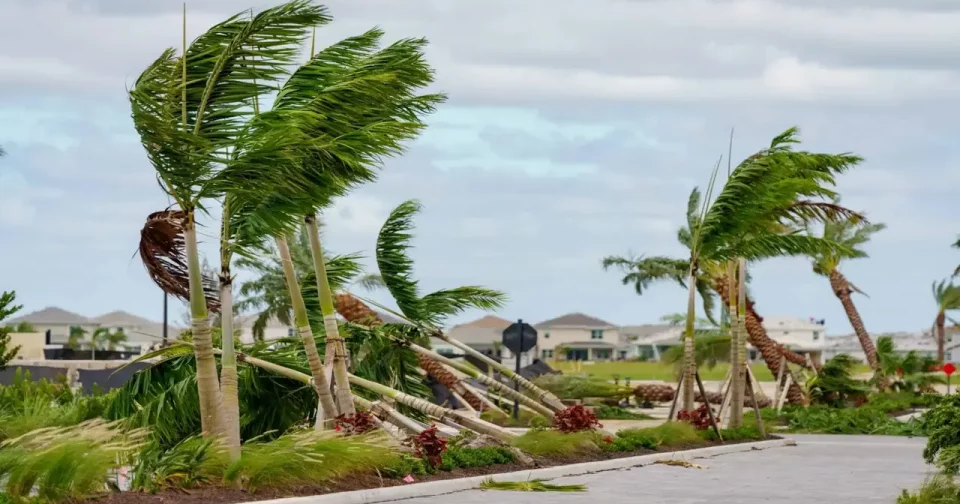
x=140 y=332
x=581 y=337
x=485 y=336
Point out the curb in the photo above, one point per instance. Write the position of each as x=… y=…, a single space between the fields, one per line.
x=434 y=488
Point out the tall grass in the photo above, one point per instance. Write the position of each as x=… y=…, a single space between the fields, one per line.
x=939 y=489
x=551 y=443
x=189 y=463
x=66 y=463
x=26 y=405
x=308 y=457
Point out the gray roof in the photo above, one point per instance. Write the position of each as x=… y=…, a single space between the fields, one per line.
x=121 y=318
x=642 y=331
x=576 y=320
x=475 y=335
x=52 y=315
x=488 y=322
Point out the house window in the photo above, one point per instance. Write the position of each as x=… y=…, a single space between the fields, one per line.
x=547 y=354
x=816 y=335
x=291 y=332
x=785 y=333
x=949 y=357
x=601 y=355
x=596 y=334
x=546 y=335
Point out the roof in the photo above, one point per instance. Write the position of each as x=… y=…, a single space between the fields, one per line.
x=488 y=322
x=52 y=315
x=645 y=330
x=588 y=344
x=576 y=320
x=121 y=318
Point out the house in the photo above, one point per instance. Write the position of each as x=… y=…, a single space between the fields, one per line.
x=485 y=335
x=140 y=332
x=804 y=336
x=648 y=341
x=138 y=329
x=922 y=342
x=275 y=330
x=580 y=336
x=57 y=321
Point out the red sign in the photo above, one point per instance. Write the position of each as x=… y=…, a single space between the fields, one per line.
x=949 y=368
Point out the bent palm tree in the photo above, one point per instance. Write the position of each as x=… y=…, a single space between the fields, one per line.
x=764 y=195
x=947 y=297
x=852 y=234
x=190 y=111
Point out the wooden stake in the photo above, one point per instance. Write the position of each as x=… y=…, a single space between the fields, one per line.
x=783 y=364
x=756 y=410
x=703 y=395
x=783 y=394
x=756 y=382
x=673 y=405
x=725 y=402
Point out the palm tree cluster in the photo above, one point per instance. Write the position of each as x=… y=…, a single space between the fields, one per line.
x=203 y=120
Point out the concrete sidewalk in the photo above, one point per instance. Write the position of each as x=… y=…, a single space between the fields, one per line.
x=820 y=469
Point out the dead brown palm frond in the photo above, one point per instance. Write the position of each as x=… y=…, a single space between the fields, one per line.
x=164 y=254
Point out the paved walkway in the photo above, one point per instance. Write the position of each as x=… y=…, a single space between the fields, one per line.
x=820 y=470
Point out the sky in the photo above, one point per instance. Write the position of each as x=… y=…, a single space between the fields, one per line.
x=573 y=130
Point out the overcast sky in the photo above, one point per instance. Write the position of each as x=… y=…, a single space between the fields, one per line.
x=575 y=129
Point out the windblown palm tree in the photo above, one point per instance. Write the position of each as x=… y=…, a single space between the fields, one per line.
x=191 y=111
x=104 y=338
x=852 y=233
x=765 y=194
x=947 y=297
x=956 y=272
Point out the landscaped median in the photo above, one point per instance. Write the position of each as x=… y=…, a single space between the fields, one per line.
x=309 y=463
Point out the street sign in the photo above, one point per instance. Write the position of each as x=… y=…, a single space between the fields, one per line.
x=519 y=338
x=949 y=368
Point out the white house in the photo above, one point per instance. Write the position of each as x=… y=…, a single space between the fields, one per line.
x=140 y=332
x=922 y=342
x=581 y=336
x=647 y=341
x=802 y=335
x=484 y=335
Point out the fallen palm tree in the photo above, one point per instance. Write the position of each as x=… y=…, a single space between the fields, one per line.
x=662 y=393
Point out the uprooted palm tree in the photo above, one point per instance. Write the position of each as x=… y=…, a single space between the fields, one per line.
x=947 y=298
x=764 y=196
x=191 y=112
x=852 y=233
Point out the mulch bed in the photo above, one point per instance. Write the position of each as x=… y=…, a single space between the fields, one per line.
x=221 y=495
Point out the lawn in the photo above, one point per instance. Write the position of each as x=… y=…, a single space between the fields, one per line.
x=658 y=370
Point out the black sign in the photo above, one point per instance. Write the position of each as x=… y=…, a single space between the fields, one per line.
x=519 y=337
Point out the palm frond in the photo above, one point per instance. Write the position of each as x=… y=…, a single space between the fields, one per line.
x=768 y=245
x=643 y=271
x=434 y=307
x=164 y=254
x=396 y=267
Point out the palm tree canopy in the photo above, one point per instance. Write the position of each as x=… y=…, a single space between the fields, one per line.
x=956 y=272
x=396 y=271
x=851 y=234
x=946 y=295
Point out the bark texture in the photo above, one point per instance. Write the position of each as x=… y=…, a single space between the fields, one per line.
x=941 y=336
x=770 y=350
x=208 y=385
x=842 y=289
x=655 y=392
x=229 y=398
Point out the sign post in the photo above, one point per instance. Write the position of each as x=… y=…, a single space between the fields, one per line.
x=949 y=369
x=519 y=338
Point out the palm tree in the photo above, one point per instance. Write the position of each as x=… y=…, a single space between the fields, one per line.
x=190 y=112
x=956 y=272
x=104 y=338
x=909 y=372
x=947 y=297
x=764 y=194
x=852 y=233
x=77 y=335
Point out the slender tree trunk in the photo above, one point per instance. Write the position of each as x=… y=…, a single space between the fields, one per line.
x=229 y=399
x=736 y=383
x=328 y=408
x=428 y=408
x=742 y=376
x=689 y=351
x=941 y=336
x=770 y=350
x=841 y=288
x=333 y=339
x=208 y=386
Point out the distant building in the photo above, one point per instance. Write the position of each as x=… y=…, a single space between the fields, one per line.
x=140 y=332
x=484 y=335
x=581 y=336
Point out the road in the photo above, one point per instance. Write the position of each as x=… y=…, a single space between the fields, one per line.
x=820 y=469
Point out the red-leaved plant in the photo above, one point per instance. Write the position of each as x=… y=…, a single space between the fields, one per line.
x=357 y=423
x=576 y=418
x=429 y=446
x=698 y=418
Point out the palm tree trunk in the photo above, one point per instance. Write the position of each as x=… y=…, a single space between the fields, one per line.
x=742 y=376
x=941 y=336
x=841 y=288
x=229 y=400
x=208 y=386
x=736 y=380
x=332 y=330
x=689 y=353
x=486 y=380
x=770 y=350
x=428 y=408
x=328 y=408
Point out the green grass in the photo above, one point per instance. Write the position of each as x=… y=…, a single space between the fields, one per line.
x=550 y=443
x=937 y=490
x=636 y=370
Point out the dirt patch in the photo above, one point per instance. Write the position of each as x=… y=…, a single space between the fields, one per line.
x=363 y=481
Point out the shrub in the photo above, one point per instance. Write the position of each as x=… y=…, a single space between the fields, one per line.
x=698 y=418
x=66 y=463
x=463 y=458
x=575 y=419
x=357 y=423
x=307 y=457
x=948 y=460
x=192 y=462
x=605 y=412
x=429 y=446
x=670 y=434
x=744 y=433
x=942 y=426
x=937 y=490
x=863 y=420
x=546 y=443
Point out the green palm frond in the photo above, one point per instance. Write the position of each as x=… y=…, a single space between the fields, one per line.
x=643 y=271
x=762 y=246
x=852 y=233
x=396 y=267
x=448 y=302
x=946 y=295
